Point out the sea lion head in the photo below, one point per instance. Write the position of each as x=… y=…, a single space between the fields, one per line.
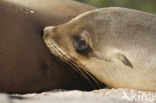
x=78 y=39
x=92 y=42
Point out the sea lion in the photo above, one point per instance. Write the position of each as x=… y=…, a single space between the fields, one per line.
x=26 y=64
x=116 y=45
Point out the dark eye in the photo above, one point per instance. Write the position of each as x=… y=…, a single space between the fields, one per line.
x=80 y=43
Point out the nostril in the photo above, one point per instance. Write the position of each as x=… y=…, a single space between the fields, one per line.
x=45 y=35
x=47 y=31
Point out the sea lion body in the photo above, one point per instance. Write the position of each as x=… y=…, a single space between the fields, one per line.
x=116 y=45
x=26 y=64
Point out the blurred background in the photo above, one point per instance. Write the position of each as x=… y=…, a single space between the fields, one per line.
x=143 y=5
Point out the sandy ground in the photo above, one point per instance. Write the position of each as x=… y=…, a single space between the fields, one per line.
x=97 y=96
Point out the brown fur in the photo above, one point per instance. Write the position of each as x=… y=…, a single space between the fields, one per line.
x=123 y=43
x=26 y=64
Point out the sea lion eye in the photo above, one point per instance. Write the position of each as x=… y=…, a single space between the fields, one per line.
x=82 y=46
x=80 y=43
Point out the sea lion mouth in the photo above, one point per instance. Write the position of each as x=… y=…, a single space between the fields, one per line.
x=57 y=50
x=69 y=61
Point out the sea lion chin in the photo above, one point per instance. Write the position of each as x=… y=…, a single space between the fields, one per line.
x=116 y=45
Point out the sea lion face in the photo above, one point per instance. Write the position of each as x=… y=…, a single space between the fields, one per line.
x=94 y=41
x=76 y=42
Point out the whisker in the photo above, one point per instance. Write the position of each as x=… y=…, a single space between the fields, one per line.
x=82 y=74
x=65 y=65
x=66 y=59
x=92 y=77
x=79 y=71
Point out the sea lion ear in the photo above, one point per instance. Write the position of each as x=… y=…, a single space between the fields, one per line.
x=123 y=59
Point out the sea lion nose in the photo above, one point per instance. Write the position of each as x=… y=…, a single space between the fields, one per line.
x=47 y=31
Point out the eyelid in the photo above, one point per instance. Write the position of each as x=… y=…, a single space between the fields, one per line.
x=84 y=34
